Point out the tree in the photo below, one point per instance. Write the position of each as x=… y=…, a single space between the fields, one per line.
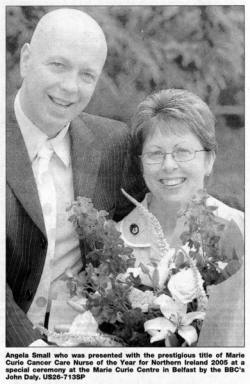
x=200 y=48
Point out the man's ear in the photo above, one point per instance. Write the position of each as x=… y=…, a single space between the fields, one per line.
x=24 y=59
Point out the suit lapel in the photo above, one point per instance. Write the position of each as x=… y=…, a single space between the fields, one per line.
x=86 y=157
x=19 y=172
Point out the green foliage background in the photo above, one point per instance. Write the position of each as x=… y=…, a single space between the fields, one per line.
x=200 y=48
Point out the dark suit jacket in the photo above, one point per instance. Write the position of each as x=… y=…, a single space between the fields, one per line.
x=99 y=152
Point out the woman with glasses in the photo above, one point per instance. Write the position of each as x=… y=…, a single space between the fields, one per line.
x=175 y=149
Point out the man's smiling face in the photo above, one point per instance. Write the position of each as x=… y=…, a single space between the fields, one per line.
x=60 y=71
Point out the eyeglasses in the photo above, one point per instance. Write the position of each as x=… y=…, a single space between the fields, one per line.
x=179 y=154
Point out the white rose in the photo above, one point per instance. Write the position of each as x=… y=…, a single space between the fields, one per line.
x=141 y=299
x=184 y=285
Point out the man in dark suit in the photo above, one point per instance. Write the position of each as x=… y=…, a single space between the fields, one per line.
x=60 y=68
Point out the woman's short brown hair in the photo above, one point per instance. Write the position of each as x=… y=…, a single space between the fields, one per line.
x=171 y=105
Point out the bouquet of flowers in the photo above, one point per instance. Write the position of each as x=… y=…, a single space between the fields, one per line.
x=157 y=304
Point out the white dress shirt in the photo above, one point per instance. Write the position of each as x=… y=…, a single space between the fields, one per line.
x=63 y=245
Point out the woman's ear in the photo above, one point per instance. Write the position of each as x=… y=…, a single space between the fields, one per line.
x=24 y=60
x=210 y=158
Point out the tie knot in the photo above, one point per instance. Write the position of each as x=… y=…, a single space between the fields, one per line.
x=45 y=152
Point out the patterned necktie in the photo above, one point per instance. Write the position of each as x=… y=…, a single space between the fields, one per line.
x=47 y=196
x=46 y=188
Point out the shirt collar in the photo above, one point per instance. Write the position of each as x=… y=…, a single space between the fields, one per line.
x=34 y=138
x=61 y=145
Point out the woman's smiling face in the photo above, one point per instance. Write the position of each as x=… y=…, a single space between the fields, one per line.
x=173 y=181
